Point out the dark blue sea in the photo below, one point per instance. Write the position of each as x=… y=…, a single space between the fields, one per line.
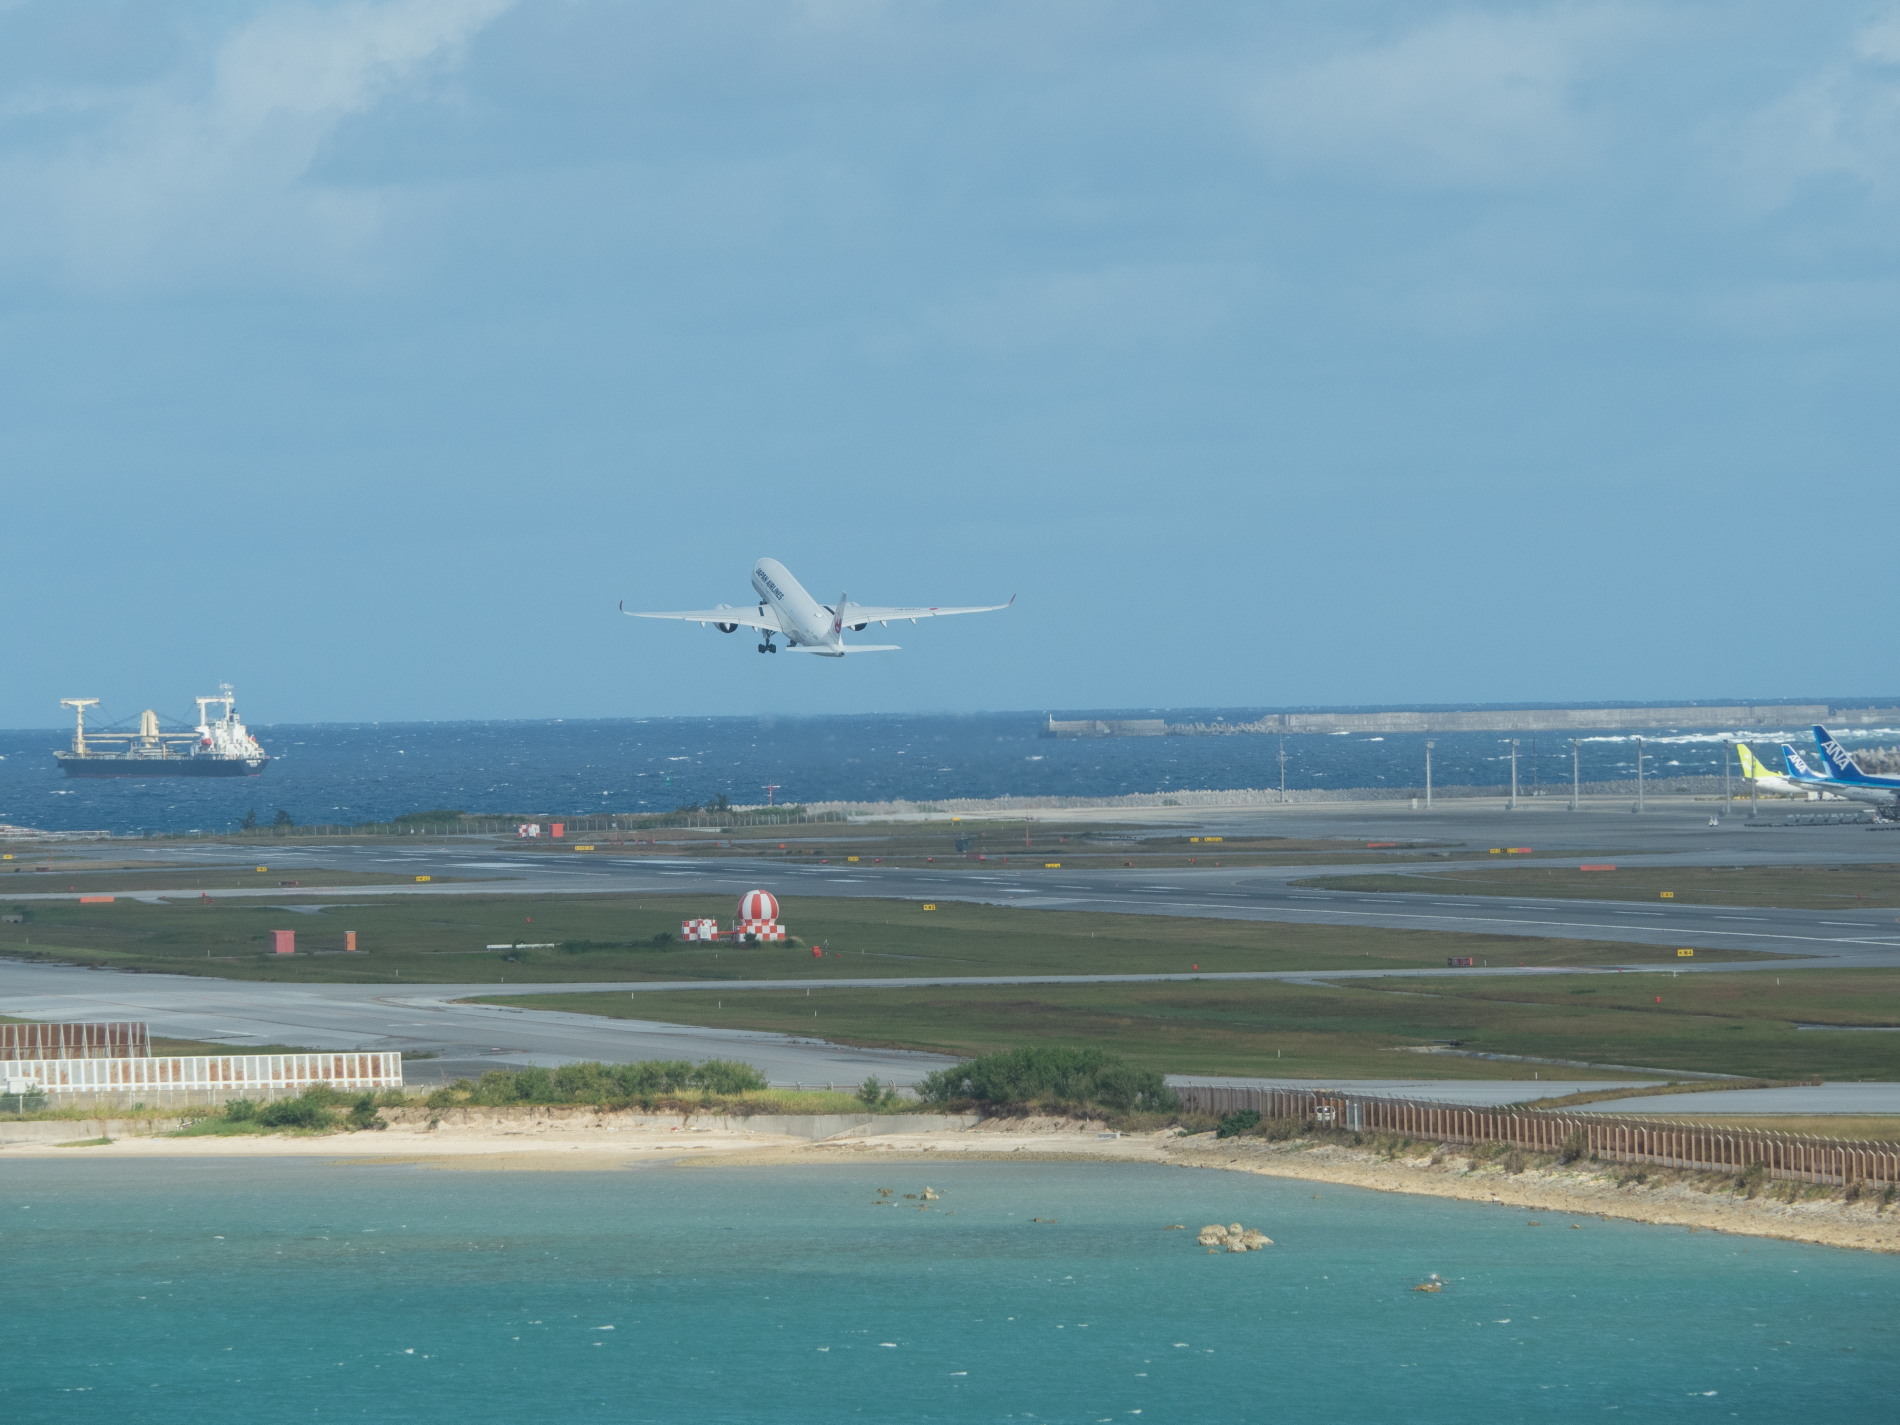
x=354 y=772
x=245 y=1292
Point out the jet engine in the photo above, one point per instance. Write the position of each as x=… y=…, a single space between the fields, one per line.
x=726 y=627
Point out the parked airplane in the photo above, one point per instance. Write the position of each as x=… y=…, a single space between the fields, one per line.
x=1764 y=780
x=1841 y=765
x=1808 y=780
x=807 y=626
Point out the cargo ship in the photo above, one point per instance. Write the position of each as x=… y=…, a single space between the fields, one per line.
x=218 y=746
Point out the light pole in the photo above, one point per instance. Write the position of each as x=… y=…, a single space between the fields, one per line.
x=1639 y=774
x=1513 y=805
x=1726 y=759
x=1754 y=797
x=1576 y=775
x=1283 y=769
x=1428 y=774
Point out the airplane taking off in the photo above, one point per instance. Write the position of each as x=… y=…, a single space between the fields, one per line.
x=807 y=626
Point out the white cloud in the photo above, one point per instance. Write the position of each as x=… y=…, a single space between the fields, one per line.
x=1473 y=98
x=1841 y=121
x=209 y=173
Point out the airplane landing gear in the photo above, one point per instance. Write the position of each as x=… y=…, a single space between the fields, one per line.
x=768 y=646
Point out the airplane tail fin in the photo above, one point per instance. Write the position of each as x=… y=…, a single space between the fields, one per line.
x=1752 y=768
x=1839 y=761
x=1798 y=767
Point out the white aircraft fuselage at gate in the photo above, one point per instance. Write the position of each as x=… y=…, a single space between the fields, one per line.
x=785 y=610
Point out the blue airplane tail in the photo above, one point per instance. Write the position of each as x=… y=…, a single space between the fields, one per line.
x=1798 y=769
x=1838 y=760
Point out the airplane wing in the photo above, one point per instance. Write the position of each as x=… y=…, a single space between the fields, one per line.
x=754 y=616
x=855 y=614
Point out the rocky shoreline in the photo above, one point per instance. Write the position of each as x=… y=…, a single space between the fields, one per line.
x=587 y=1139
x=1704 y=1202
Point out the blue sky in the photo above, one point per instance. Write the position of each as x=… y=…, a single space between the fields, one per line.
x=367 y=354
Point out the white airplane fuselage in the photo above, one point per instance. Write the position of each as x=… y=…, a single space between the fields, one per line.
x=806 y=622
x=785 y=610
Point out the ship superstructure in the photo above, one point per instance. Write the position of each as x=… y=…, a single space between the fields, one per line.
x=218 y=746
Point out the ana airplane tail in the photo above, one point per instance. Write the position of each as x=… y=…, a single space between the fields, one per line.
x=1839 y=761
x=1798 y=769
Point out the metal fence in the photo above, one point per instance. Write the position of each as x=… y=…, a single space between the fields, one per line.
x=1697 y=1147
x=113 y=1039
x=263 y=1075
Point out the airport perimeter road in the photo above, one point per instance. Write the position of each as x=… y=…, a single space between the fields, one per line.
x=467 y=1038
x=472 y=1038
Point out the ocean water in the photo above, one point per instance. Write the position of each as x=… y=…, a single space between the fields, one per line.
x=347 y=773
x=205 y=1292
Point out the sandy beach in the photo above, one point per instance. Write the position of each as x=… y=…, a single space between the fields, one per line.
x=588 y=1140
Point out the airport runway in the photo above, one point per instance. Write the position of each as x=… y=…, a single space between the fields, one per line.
x=469 y=1038
x=1847 y=936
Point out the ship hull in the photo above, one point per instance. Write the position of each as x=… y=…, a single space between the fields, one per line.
x=143 y=767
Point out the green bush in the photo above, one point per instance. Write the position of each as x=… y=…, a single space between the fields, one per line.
x=605 y=1083
x=310 y=1109
x=877 y=1096
x=1241 y=1120
x=1058 y=1077
x=1576 y=1145
x=728 y=1076
x=449 y=1095
x=240 y=1110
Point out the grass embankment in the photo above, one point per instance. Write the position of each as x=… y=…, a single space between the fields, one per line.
x=1787 y=887
x=442 y=939
x=713 y=1086
x=1705 y=1023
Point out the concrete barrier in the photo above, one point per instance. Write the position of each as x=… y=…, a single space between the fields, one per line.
x=73 y=1130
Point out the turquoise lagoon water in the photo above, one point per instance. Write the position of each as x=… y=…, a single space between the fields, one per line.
x=235 y=1291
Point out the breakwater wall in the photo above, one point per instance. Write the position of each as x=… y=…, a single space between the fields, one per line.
x=1690 y=1146
x=1713 y=717
x=1545 y=795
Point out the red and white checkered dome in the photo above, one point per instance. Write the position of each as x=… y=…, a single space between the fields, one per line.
x=758 y=905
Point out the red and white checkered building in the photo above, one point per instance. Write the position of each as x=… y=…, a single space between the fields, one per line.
x=757 y=922
x=761 y=930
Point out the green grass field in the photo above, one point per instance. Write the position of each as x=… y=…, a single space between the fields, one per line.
x=1790 y=887
x=443 y=939
x=1706 y=1023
